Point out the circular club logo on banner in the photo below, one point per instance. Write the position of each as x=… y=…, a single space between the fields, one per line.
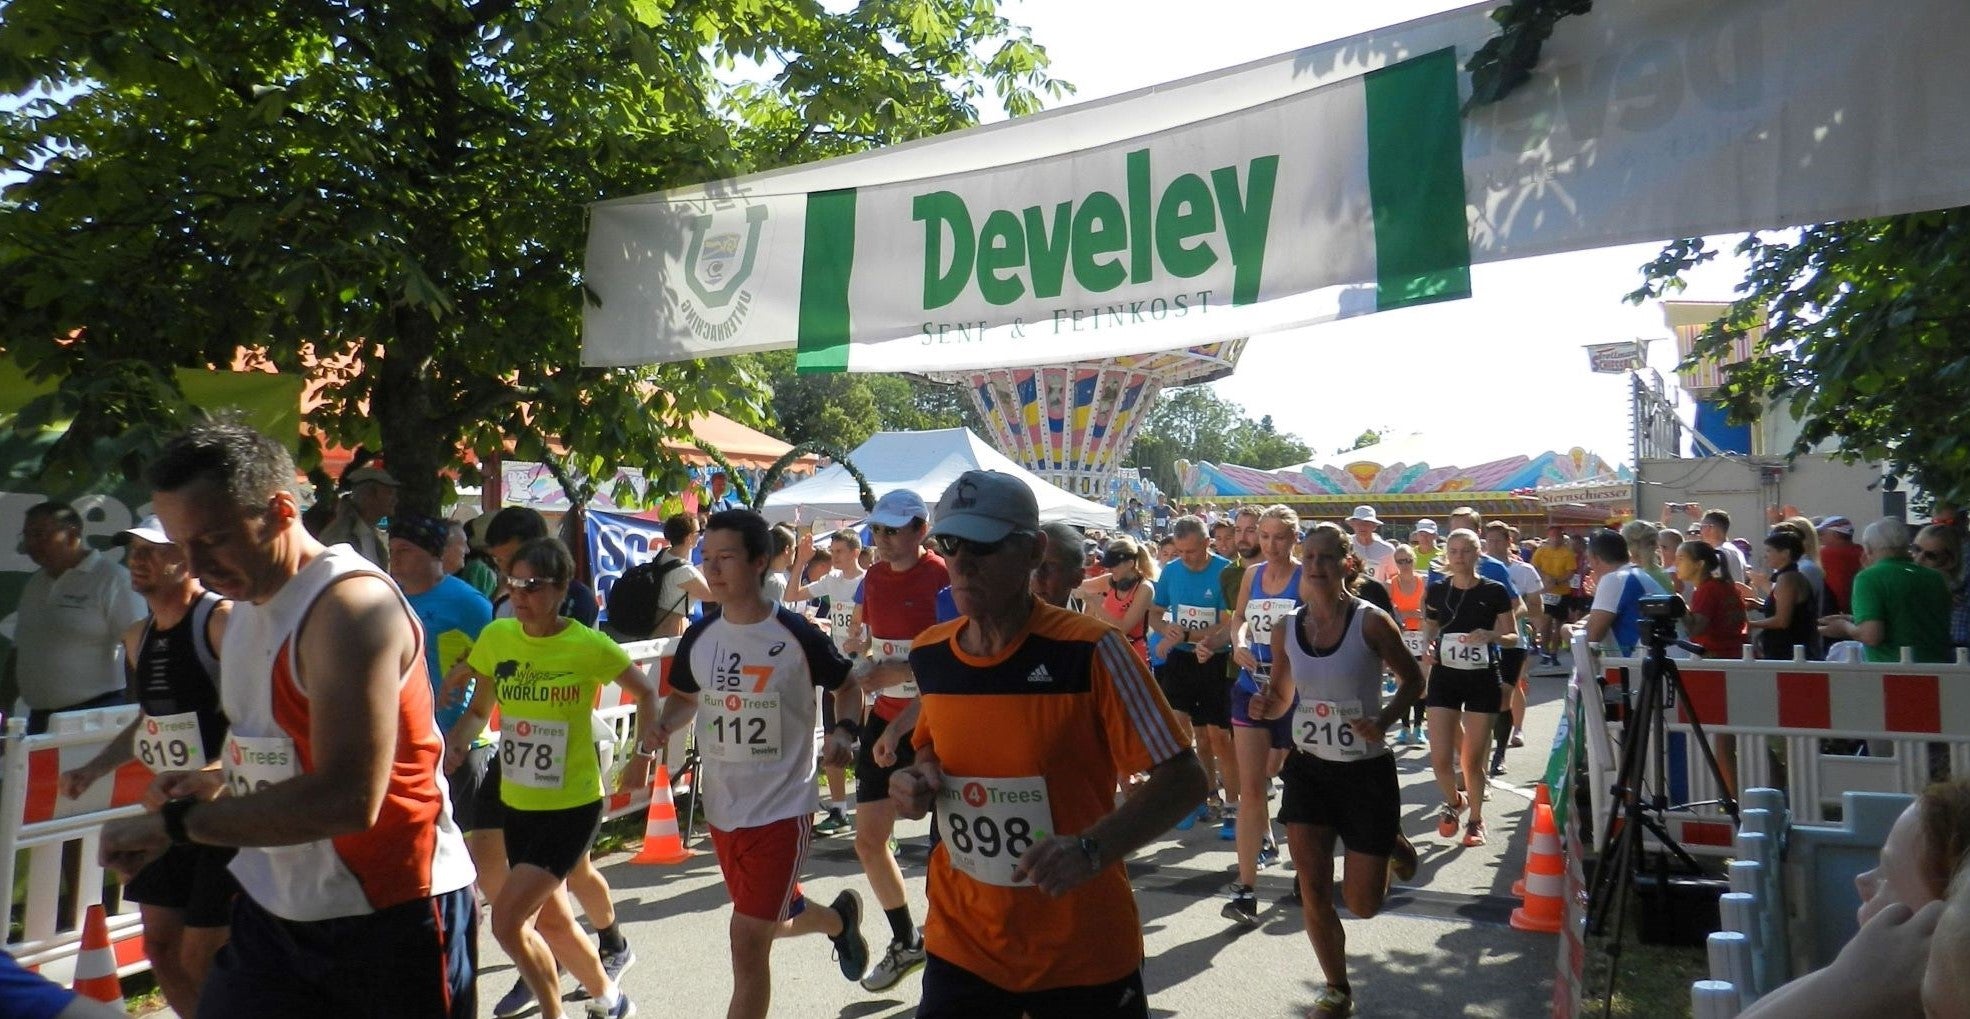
x=150 y=726
x=238 y=756
x=732 y=702
x=523 y=729
x=1322 y=709
x=974 y=794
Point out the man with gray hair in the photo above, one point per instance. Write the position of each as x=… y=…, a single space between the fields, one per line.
x=1061 y=568
x=1896 y=602
x=73 y=613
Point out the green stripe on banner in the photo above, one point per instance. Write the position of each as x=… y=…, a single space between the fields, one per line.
x=826 y=263
x=1416 y=181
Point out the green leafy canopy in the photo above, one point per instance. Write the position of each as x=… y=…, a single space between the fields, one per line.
x=404 y=182
x=1867 y=338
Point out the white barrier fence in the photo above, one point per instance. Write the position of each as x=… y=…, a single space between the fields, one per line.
x=40 y=825
x=1899 y=708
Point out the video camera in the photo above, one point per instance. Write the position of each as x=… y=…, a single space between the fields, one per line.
x=1659 y=614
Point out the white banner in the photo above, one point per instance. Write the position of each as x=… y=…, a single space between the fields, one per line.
x=1332 y=181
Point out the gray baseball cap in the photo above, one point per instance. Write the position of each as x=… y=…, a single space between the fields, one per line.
x=986 y=506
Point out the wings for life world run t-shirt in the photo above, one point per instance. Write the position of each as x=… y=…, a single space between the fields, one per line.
x=546 y=688
x=756 y=712
x=1192 y=599
x=897 y=606
x=453 y=613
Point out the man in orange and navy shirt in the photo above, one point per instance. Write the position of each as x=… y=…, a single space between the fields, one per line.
x=1027 y=712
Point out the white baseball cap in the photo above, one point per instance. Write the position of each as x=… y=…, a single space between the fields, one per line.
x=148 y=529
x=898 y=507
x=1426 y=526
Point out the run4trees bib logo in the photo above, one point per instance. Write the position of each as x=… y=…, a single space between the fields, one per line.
x=718 y=259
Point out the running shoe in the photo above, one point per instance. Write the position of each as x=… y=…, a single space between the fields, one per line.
x=1402 y=859
x=1190 y=820
x=623 y=1010
x=1291 y=900
x=896 y=963
x=1214 y=810
x=1228 y=829
x=516 y=1001
x=1422 y=738
x=1268 y=853
x=1332 y=1003
x=1474 y=833
x=1498 y=762
x=1402 y=736
x=1447 y=820
x=833 y=824
x=1242 y=906
x=851 y=949
x=1517 y=740
x=614 y=963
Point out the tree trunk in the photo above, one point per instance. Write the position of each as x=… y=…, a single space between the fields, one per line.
x=401 y=403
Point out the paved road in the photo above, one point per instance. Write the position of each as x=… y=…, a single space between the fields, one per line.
x=1443 y=947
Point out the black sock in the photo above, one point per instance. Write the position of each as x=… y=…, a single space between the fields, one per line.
x=610 y=938
x=900 y=925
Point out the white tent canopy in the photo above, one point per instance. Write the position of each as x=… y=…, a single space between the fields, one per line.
x=926 y=463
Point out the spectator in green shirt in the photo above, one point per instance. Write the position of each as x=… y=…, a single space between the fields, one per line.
x=1896 y=602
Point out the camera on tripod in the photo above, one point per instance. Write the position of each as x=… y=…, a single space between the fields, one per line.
x=1659 y=614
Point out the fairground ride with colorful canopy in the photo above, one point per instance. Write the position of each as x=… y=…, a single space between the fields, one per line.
x=1073 y=424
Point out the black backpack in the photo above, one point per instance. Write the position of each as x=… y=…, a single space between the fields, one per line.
x=634 y=609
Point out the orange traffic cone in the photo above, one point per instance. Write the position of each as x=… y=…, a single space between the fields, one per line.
x=95 y=967
x=661 y=841
x=1545 y=877
x=1539 y=798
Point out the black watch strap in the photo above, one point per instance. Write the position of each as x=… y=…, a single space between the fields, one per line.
x=173 y=812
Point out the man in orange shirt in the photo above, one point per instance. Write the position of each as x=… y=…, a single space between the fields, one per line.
x=1027 y=712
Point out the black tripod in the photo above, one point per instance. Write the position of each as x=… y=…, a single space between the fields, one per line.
x=1642 y=734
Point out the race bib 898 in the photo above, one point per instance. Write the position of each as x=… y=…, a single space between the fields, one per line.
x=989 y=823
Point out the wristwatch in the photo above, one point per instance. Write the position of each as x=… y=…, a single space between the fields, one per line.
x=173 y=812
x=1091 y=849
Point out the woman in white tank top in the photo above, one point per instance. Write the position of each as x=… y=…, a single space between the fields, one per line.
x=1340 y=777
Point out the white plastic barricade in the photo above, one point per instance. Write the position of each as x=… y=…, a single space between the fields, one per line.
x=37 y=819
x=1901 y=706
x=615 y=707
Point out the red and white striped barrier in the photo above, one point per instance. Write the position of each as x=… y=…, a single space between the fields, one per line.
x=36 y=818
x=1900 y=708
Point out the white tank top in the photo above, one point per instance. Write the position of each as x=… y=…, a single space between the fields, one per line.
x=414 y=850
x=1348 y=675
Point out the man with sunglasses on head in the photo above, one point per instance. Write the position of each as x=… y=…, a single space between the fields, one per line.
x=1029 y=710
x=897 y=601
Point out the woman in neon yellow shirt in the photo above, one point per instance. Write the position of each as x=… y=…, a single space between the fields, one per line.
x=543 y=669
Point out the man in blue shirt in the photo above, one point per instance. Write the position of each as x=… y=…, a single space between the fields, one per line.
x=1618 y=592
x=1196 y=624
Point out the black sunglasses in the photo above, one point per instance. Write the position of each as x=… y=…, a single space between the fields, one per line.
x=884 y=530
x=951 y=544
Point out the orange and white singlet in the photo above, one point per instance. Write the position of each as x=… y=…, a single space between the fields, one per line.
x=414 y=850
